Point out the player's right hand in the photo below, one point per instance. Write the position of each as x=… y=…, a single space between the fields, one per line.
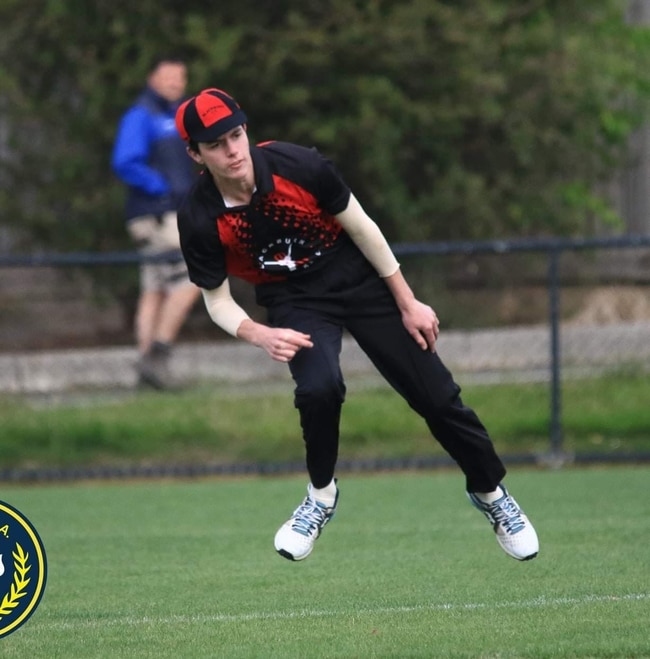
x=281 y=343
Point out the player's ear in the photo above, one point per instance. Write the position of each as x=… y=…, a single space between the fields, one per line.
x=195 y=155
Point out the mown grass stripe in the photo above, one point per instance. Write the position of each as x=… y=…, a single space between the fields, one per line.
x=538 y=602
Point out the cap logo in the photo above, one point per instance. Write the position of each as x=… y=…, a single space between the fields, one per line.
x=211 y=109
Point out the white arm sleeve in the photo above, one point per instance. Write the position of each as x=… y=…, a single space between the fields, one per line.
x=368 y=238
x=223 y=309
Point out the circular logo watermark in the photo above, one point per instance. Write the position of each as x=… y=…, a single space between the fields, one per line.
x=23 y=569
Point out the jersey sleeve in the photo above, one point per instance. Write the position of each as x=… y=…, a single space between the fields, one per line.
x=332 y=192
x=202 y=249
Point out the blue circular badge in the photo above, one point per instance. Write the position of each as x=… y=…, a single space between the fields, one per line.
x=23 y=569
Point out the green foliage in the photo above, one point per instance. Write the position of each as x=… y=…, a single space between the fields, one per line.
x=449 y=120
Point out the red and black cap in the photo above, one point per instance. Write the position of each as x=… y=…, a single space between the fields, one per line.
x=208 y=115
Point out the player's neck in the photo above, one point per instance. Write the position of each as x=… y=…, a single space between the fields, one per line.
x=236 y=192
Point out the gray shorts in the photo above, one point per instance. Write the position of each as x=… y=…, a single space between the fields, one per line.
x=154 y=236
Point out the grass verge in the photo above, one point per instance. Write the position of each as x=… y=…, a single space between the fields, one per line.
x=233 y=424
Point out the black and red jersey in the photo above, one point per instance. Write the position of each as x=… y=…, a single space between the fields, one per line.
x=287 y=230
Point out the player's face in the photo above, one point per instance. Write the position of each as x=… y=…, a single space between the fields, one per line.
x=169 y=80
x=227 y=158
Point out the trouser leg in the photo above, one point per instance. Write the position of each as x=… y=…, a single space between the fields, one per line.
x=320 y=389
x=428 y=387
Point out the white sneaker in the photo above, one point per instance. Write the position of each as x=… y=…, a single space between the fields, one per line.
x=515 y=534
x=295 y=538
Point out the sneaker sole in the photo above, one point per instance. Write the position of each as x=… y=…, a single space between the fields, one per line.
x=527 y=558
x=290 y=557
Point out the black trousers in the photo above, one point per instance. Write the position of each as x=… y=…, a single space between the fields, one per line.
x=368 y=311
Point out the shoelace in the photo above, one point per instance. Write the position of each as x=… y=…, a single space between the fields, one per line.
x=308 y=518
x=508 y=515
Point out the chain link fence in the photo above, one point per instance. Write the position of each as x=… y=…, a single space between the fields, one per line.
x=564 y=323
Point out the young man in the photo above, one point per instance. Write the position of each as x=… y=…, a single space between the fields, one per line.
x=279 y=216
x=149 y=156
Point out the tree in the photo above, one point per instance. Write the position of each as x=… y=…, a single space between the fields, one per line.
x=464 y=119
x=449 y=119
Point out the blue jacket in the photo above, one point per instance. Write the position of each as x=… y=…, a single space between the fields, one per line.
x=149 y=156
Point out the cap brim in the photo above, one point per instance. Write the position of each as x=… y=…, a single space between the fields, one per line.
x=214 y=132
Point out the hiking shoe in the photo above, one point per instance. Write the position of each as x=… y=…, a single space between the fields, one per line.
x=153 y=367
x=514 y=531
x=295 y=538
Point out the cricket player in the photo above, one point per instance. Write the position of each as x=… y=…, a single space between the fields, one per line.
x=281 y=217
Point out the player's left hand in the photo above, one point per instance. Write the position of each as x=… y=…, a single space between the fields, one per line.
x=422 y=324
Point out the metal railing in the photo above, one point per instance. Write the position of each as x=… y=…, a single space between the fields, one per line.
x=551 y=248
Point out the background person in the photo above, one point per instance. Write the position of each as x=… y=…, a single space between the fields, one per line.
x=280 y=216
x=149 y=157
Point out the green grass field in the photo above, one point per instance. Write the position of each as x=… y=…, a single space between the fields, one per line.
x=407 y=569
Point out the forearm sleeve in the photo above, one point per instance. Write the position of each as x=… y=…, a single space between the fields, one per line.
x=368 y=238
x=223 y=309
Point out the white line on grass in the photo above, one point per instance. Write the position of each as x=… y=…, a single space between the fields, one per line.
x=538 y=602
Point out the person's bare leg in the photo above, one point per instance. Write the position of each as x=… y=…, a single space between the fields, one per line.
x=174 y=311
x=147 y=316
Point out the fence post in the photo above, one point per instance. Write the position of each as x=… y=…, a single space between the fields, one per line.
x=555 y=429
